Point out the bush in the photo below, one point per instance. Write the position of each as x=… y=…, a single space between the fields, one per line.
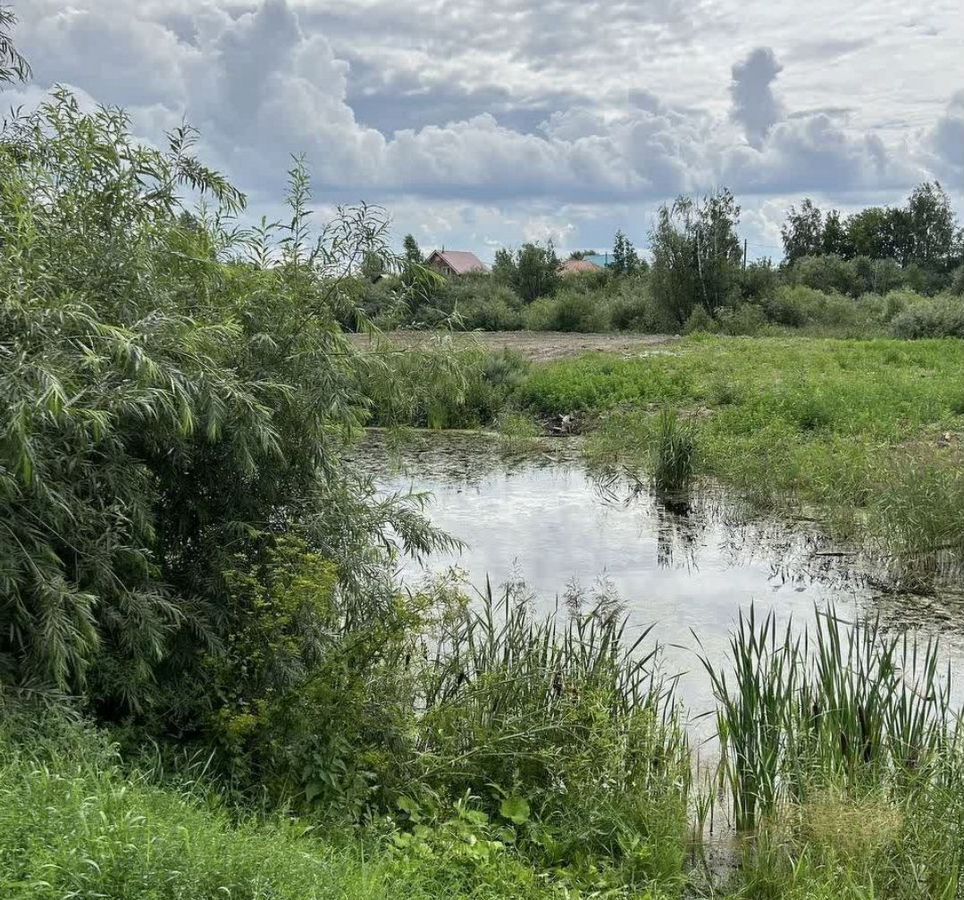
x=439 y=385
x=878 y=276
x=700 y=320
x=747 y=318
x=757 y=281
x=828 y=273
x=941 y=317
x=956 y=288
x=482 y=303
x=569 y=310
x=633 y=308
x=798 y=306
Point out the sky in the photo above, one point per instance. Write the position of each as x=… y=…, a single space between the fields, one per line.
x=486 y=123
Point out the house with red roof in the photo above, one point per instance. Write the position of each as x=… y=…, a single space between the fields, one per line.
x=455 y=262
x=578 y=267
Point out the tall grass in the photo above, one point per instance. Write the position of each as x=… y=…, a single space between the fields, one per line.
x=673 y=453
x=842 y=704
x=576 y=718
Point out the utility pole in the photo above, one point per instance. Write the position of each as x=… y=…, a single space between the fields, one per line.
x=744 y=254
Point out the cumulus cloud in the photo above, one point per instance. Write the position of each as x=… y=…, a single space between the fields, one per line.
x=946 y=142
x=562 y=118
x=755 y=107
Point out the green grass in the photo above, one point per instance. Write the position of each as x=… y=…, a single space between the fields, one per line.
x=855 y=428
x=73 y=824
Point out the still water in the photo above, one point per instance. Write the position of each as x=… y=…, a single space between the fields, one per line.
x=685 y=568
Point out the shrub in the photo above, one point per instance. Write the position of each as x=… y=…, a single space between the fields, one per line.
x=700 y=320
x=878 y=276
x=941 y=317
x=439 y=385
x=482 y=303
x=633 y=308
x=956 y=288
x=569 y=310
x=747 y=318
x=757 y=281
x=828 y=273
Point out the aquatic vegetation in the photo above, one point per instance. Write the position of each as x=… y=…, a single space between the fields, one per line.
x=843 y=704
x=844 y=429
x=673 y=453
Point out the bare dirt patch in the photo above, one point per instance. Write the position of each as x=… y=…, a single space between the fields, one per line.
x=538 y=346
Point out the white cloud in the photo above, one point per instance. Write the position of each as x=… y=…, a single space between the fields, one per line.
x=504 y=119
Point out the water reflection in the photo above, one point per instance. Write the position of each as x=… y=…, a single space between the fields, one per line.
x=688 y=563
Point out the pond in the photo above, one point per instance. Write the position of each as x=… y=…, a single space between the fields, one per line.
x=685 y=568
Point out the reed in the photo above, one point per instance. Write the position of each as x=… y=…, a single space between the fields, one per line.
x=673 y=453
x=842 y=703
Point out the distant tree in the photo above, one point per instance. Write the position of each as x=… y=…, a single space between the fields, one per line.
x=802 y=233
x=13 y=67
x=834 y=238
x=931 y=224
x=532 y=271
x=696 y=253
x=625 y=259
x=582 y=254
x=880 y=232
x=503 y=266
x=372 y=266
x=537 y=271
x=412 y=252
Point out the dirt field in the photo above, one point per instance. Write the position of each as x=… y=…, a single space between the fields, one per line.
x=539 y=346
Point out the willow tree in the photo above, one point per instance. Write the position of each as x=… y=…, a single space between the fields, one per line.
x=175 y=393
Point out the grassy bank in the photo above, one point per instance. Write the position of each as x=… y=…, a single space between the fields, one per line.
x=865 y=434
x=73 y=823
x=840 y=767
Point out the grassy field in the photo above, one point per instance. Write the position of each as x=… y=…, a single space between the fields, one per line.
x=865 y=433
x=74 y=824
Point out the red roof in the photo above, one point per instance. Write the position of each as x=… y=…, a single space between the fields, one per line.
x=577 y=266
x=459 y=261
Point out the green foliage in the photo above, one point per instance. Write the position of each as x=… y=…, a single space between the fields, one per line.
x=532 y=271
x=568 y=310
x=481 y=302
x=826 y=273
x=625 y=259
x=673 y=454
x=922 y=235
x=746 y=319
x=13 y=67
x=440 y=385
x=802 y=233
x=562 y=730
x=74 y=823
x=411 y=250
x=175 y=392
x=758 y=281
x=845 y=705
x=696 y=253
x=940 y=317
x=699 y=321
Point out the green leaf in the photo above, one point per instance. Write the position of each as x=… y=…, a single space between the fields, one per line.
x=516 y=809
x=408 y=806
